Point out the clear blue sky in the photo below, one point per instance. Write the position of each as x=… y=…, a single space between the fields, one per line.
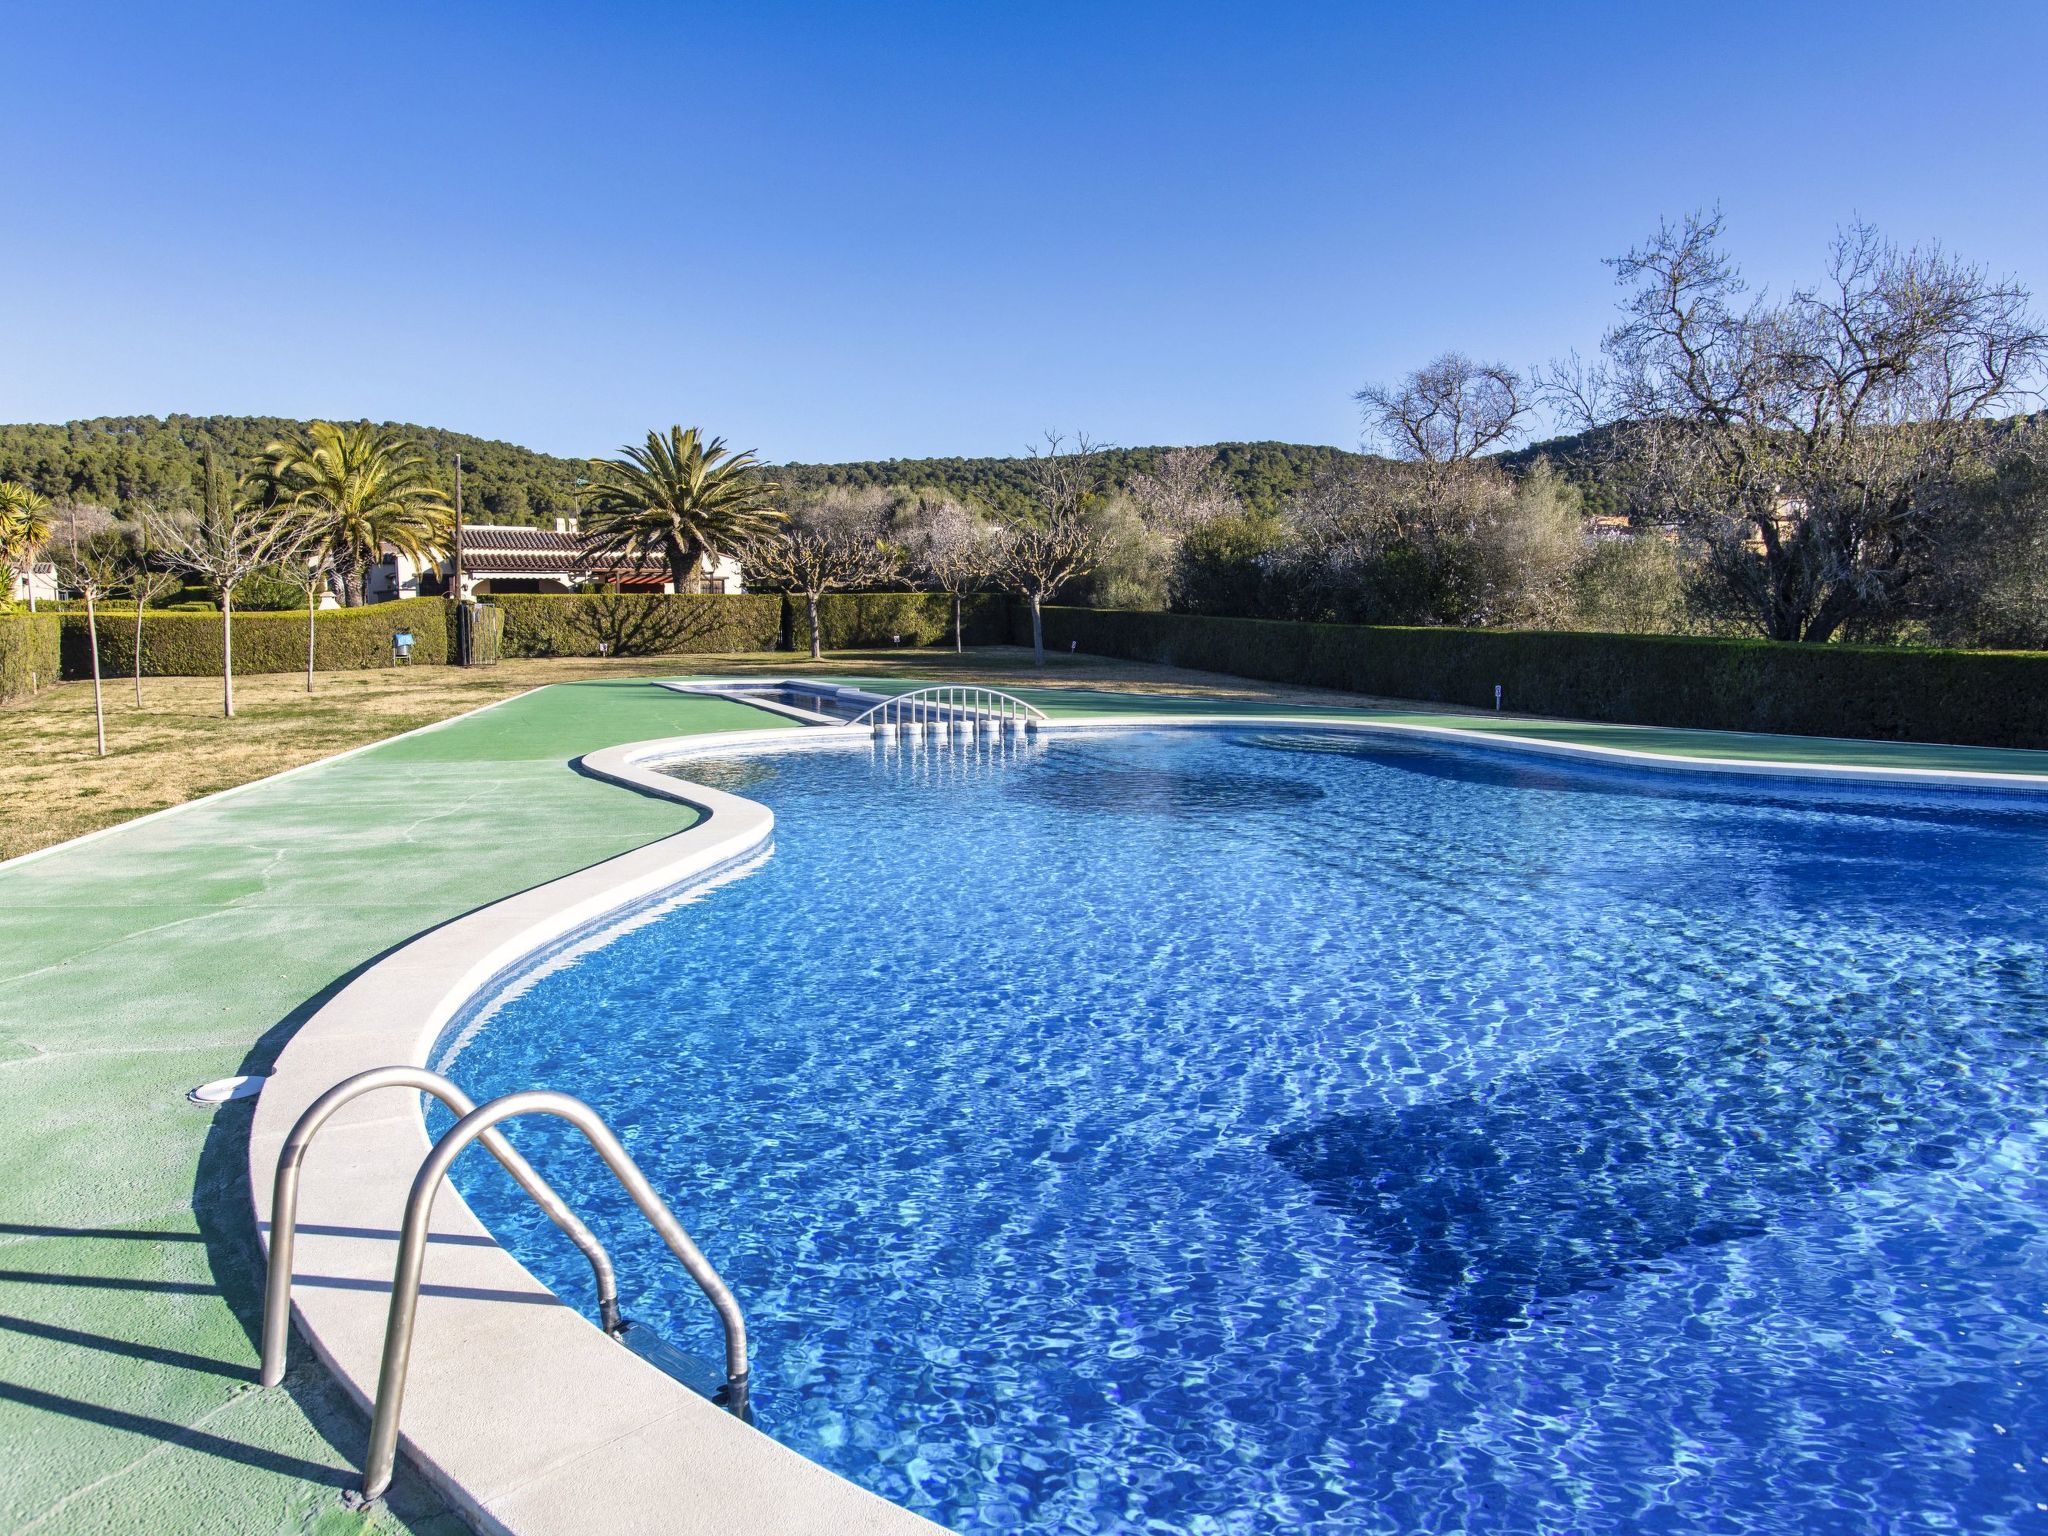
x=855 y=231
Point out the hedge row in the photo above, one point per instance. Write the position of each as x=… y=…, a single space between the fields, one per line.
x=1975 y=698
x=188 y=644
x=29 y=650
x=863 y=621
x=646 y=624
x=638 y=624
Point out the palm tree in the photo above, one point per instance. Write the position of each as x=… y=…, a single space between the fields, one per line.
x=24 y=530
x=360 y=490
x=681 y=499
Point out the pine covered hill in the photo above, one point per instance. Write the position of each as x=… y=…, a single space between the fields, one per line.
x=113 y=460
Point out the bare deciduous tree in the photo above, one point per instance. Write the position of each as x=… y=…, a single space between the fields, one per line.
x=1818 y=446
x=952 y=551
x=144 y=584
x=309 y=575
x=1054 y=544
x=1449 y=411
x=834 y=543
x=231 y=537
x=1183 y=491
x=94 y=566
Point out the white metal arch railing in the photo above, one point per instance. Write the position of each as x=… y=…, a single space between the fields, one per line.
x=953 y=707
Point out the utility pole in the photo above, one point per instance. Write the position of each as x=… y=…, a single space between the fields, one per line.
x=455 y=564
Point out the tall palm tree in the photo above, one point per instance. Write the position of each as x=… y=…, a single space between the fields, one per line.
x=24 y=530
x=679 y=498
x=359 y=490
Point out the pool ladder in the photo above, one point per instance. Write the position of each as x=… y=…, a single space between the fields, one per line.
x=953 y=708
x=479 y=1124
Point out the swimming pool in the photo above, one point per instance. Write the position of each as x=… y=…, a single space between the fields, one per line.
x=1249 y=1130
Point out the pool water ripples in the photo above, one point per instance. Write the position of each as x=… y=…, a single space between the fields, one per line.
x=1258 y=1130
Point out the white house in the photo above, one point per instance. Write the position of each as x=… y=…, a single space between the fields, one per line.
x=499 y=558
x=40 y=581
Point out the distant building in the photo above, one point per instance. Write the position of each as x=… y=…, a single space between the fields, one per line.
x=40 y=580
x=501 y=558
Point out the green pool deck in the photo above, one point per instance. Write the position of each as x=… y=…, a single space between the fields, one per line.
x=188 y=947
x=1657 y=741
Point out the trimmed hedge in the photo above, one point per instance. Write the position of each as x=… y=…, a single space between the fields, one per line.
x=638 y=624
x=1971 y=698
x=188 y=644
x=29 y=652
x=651 y=624
x=866 y=621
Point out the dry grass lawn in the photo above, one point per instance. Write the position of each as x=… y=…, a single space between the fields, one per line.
x=176 y=746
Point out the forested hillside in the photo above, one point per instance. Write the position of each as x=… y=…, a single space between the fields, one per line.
x=114 y=460
x=1261 y=475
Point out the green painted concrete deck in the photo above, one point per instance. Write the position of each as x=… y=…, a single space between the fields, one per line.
x=1092 y=703
x=165 y=954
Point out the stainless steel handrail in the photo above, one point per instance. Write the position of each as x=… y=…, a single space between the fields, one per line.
x=952 y=704
x=284 y=1202
x=412 y=1255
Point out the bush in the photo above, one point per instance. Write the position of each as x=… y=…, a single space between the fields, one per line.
x=29 y=649
x=865 y=621
x=638 y=624
x=188 y=644
x=270 y=589
x=1976 y=698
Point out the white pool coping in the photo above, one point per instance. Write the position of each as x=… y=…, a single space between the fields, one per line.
x=523 y=1413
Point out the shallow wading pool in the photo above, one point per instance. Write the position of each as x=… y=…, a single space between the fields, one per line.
x=1234 y=1131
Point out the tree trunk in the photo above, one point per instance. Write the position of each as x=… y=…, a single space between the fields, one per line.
x=682 y=568
x=956 y=623
x=138 y=649
x=352 y=586
x=1037 y=633
x=816 y=651
x=92 y=639
x=311 y=609
x=1835 y=610
x=227 y=652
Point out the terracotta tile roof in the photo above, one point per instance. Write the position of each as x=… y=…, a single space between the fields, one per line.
x=490 y=547
x=491 y=538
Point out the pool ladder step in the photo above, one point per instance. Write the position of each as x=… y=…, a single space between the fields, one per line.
x=479 y=1124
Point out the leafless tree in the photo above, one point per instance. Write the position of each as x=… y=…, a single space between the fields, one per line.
x=309 y=575
x=93 y=566
x=1449 y=411
x=834 y=543
x=1183 y=491
x=1819 y=446
x=952 y=551
x=144 y=584
x=233 y=535
x=1053 y=544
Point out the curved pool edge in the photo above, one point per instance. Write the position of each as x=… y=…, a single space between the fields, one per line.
x=519 y=1409
x=1510 y=744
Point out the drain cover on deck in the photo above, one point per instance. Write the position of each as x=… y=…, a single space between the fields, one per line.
x=222 y=1090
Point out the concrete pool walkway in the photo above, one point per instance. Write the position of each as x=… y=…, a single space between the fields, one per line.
x=188 y=947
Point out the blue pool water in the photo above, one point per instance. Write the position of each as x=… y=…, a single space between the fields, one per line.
x=1249 y=1131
